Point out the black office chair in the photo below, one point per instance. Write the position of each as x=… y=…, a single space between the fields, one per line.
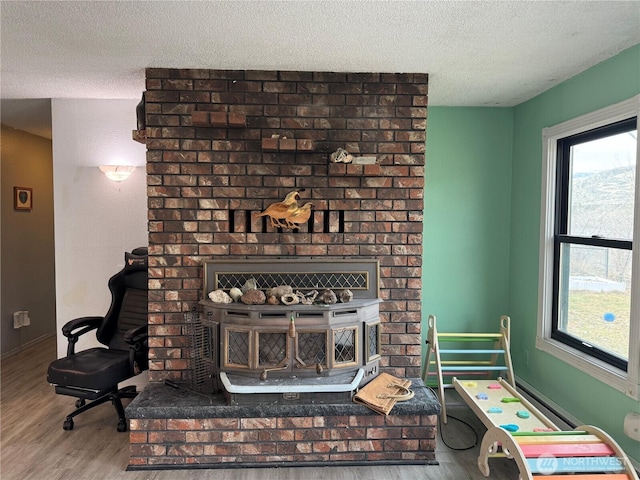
x=94 y=374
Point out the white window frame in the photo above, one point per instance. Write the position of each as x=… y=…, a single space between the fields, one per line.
x=629 y=381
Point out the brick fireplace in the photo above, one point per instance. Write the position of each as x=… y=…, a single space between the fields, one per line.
x=223 y=144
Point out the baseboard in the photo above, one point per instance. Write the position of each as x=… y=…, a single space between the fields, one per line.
x=537 y=396
x=29 y=344
x=238 y=465
x=556 y=409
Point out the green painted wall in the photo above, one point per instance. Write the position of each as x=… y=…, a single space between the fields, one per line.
x=482 y=227
x=466 y=224
x=605 y=84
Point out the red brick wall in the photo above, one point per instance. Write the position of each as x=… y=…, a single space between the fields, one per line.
x=290 y=440
x=203 y=183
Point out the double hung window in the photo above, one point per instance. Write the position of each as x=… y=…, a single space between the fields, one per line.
x=589 y=288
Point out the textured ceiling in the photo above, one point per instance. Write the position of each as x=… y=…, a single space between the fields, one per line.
x=477 y=53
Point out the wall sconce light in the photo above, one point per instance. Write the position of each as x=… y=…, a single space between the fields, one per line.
x=117 y=173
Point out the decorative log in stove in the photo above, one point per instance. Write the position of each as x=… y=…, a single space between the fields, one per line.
x=315 y=353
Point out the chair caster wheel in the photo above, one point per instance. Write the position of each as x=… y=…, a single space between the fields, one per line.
x=80 y=403
x=122 y=426
x=68 y=424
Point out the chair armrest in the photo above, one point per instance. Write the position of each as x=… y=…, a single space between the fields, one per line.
x=84 y=324
x=91 y=322
x=136 y=335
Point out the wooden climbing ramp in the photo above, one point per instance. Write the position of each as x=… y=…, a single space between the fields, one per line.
x=516 y=428
x=519 y=431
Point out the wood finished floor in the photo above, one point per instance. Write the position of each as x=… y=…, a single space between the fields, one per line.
x=35 y=447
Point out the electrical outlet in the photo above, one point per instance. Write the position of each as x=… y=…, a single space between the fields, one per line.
x=21 y=319
x=526 y=357
x=632 y=426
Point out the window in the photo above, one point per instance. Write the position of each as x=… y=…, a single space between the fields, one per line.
x=589 y=302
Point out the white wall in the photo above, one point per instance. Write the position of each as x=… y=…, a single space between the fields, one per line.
x=96 y=219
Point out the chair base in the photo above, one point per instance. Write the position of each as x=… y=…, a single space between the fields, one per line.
x=114 y=396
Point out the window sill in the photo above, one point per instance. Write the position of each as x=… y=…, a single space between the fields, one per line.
x=615 y=378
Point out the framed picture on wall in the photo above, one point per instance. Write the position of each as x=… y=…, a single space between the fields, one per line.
x=22 y=198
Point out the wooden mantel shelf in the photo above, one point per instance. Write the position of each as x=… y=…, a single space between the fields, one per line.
x=218 y=119
x=276 y=144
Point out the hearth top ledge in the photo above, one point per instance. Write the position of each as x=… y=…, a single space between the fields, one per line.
x=159 y=401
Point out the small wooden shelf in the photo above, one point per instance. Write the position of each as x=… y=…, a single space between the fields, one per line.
x=218 y=119
x=276 y=144
x=139 y=136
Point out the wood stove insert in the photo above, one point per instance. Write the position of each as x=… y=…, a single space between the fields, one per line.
x=315 y=353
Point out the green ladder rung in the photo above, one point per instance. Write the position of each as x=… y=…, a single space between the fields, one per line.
x=458 y=372
x=444 y=385
x=472 y=369
x=467 y=339
x=471 y=351
x=462 y=362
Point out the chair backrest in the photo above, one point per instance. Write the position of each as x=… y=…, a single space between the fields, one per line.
x=129 y=301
